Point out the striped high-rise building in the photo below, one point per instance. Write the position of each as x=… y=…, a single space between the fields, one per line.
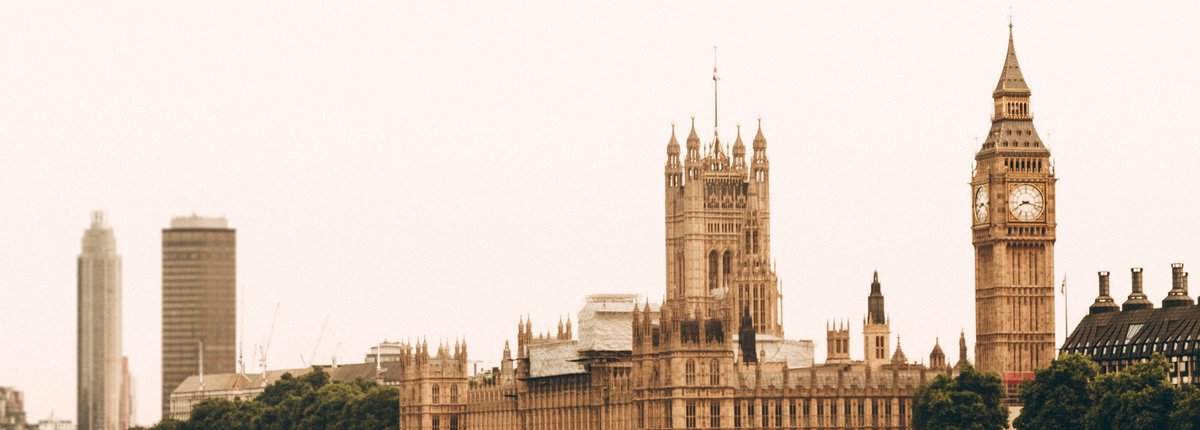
x=100 y=363
x=199 y=305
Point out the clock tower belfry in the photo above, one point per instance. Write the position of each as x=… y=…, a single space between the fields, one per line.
x=1013 y=231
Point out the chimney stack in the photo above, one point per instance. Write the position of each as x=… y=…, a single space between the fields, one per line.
x=1137 y=299
x=1104 y=302
x=1178 y=296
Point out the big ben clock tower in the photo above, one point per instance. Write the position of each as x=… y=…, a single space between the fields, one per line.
x=1013 y=224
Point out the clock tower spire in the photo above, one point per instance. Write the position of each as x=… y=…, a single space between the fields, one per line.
x=1013 y=232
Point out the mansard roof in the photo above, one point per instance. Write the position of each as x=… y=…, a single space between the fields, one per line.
x=1137 y=334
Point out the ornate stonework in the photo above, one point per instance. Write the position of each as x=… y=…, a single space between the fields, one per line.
x=1013 y=219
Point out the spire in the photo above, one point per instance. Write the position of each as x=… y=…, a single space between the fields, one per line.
x=739 y=148
x=673 y=144
x=693 y=142
x=1012 y=81
x=898 y=357
x=875 y=309
x=962 y=349
x=760 y=142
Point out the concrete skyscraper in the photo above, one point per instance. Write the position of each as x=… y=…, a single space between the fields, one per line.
x=199 y=307
x=100 y=363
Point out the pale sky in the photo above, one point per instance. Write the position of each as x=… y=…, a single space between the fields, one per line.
x=437 y=169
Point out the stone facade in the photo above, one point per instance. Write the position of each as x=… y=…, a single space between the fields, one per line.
x=701 y=359
x=713 y=353
x=1014 y=237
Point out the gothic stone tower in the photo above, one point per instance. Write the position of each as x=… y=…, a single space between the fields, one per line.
x=718 y=228
x=1013 y=224
x=877 y=331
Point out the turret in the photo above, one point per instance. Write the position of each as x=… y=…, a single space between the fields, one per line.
x=739 y=150
x=937 y=359
x=962 y=350
x=1137 y=299
x=693 y=143
x=1178 y=296
x=1104 y=302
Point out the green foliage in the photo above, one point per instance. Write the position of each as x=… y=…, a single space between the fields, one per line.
x=1139 y=397
x=970 y=401
x=1059 y=396
x=1186 y=415
x=309 y=402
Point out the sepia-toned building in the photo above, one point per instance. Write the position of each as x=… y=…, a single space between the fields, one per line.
x=713 y=353
x=698 y=360
x=199 y=305
x=100 y=364
x=1013 y=231
x=12 y=409
x=247 y=386
x=1116 y=337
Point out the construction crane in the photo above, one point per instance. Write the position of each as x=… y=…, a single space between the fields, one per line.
x=267 y=348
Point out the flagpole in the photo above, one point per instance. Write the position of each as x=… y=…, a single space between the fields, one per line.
x=1066 y=316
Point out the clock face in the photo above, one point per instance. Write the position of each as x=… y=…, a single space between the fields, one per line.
x=1026 y=202
x=981 y=203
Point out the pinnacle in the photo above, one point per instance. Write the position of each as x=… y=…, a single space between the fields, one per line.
x=1011 y=78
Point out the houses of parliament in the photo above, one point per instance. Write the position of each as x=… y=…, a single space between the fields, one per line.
x=714 y=354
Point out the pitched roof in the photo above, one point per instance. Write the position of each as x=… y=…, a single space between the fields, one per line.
x=1011 y=78
x=1136 y=334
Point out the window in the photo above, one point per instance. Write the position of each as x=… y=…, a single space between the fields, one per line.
x=727 y=264
x=437 y=394
x=690 y=410
x=714 y=414
x=453 y=395
x=712 y=269
x=437 y=425
x=714 y=372
x=454 y=423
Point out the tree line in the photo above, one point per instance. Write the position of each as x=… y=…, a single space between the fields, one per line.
x=309 y=402
x=1069 y=394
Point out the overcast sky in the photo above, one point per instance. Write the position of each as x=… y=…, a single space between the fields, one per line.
x=439 y=169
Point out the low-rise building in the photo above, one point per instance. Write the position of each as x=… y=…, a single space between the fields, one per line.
x=1118 y=336
x=247 y=386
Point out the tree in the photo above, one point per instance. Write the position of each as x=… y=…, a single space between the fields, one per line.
x=1186 y=415
x=1058 y=397
x=1138 y=397
x=970 y=401
x=310 y=401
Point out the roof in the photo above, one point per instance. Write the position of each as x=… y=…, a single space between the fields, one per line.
x=1137 y=334
x=235 y=381
x=1012 y=81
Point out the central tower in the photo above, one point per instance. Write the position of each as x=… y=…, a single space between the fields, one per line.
x=718 y=230
x=1013 y=231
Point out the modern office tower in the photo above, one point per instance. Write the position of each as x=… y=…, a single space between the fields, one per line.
x=199 y=305
x=99 y=356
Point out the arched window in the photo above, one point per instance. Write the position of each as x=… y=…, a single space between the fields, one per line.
x=437 y=394
x=727 y=265
x=712 y=270
x=714 y=372
x=755 y=242
x=689 y=370
x=453 y=394
x=748 y=241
